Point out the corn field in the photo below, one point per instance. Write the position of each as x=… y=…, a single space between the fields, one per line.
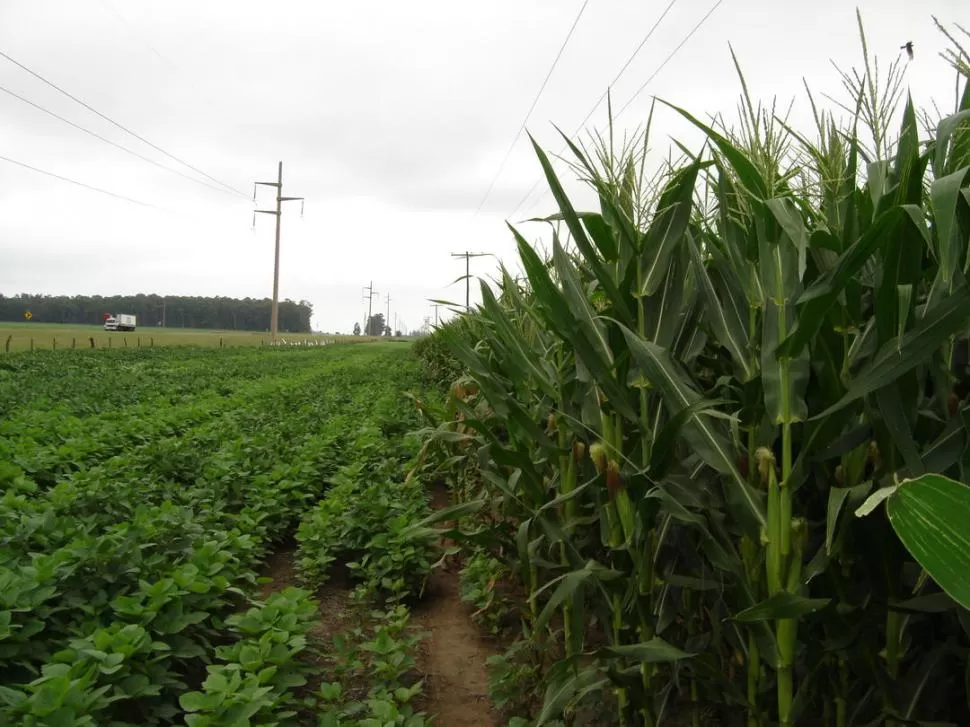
x=666 y=429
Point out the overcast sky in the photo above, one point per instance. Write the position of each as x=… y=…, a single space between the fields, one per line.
x=391 y=119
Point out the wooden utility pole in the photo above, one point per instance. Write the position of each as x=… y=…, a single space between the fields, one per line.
x=468 y=274
x=370 y=300
x=280 y=199
x=387 y=318
x=436 y=306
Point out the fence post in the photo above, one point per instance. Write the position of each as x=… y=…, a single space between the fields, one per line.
x=220 y=341
x=73 y=343
x=139 y=342
x=92 y=341
x=152 y=341
x=7 y=344
x=125 y=339
x=53 y=344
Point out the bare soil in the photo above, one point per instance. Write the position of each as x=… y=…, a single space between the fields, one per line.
x=451 y=657
x=333 y=596
x=454 y=654
x=280 y=568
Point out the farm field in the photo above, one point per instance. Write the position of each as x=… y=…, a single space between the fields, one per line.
x=710 y=447
x=53 y=335
x=211 y=537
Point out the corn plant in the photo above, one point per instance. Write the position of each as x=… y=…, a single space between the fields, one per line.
x=673 y=418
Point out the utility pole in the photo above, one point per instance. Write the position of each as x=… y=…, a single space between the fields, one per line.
x=436 y=306
x=387 y=318
x=370 y=299
x=468 y=275
x=280 y=199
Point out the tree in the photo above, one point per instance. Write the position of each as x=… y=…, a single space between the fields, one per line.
x=171 y=311
x=356 y=329
x=375 y=326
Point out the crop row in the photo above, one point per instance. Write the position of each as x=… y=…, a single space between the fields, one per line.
x=84 y=383
x=717 y=437
x=117 y=574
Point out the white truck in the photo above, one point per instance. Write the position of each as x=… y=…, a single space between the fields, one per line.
x=119 y=322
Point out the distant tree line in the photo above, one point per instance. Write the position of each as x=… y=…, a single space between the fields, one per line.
x=377 y=326
x=247 y=314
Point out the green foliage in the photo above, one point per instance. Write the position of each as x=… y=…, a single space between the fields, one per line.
x=131 y=527
x=364 y=522
x=482 y=578
x=259 y=670
x=438 y=362
x=514 y=678
x=671 y=419
x=929 y=514
x=382 y=657
x=376 y=326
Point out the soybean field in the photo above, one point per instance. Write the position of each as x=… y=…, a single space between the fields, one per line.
x=156 y=507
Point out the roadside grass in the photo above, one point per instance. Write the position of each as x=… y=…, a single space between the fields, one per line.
x=28 y=336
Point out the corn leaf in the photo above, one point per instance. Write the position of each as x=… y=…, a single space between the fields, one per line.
x=578 y=233
x=567 y=585
x=944 y=132
x=728 y=321
x=951 y=244
x=780 y=606
x=703 y=434
x=654 y=651
x=898 y=356
x=570 y=687
x=667 y=230
x=816 y=300
x=930 y=516
x=746 y=171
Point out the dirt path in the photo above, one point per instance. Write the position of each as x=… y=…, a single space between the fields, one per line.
x=454 y=654
x=280 y=566
x=333 y=596
x=452 y=658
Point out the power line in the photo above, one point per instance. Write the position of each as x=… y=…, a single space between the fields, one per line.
x=653 y=75
x=535 y=101
x=616 y=78
x=108 y=141
x=667 y=59
x=79 y=184
x=135 y=33
x=123 y=128
x=626 y=65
